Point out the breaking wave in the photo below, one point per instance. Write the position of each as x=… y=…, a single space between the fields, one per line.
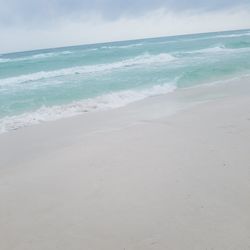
x=136 y=61
x=103 y=102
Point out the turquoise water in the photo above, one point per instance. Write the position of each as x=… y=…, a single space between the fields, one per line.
x=50 y=84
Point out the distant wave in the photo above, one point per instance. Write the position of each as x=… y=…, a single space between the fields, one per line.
x=216 y=49
x=103 y=102
x=136 y=61
x=4 y=60
x=225 y=36
x=37 y=56
x=122 y=46
x=51 y=54
x=208 y=50
x=184 y=39
x=214 y=36
x=234 y=35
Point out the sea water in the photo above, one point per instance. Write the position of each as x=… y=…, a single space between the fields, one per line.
x=50 y=84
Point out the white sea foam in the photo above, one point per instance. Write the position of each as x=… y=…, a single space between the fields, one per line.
x=51 y=54
x=4 y=60
x=136 y=61
x=234 y=35
x=122 y=46
x=36 y=56
x=217 y=49
x=215 y=36
x=103 y=102
x=207 y=50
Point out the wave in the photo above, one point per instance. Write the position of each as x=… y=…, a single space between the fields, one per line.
x=184 y=39
x=233 y=35
x=224 y=36
x=217 y=49
x=208 y=50
x=103 y=102
x=4 y=60
x=122 y=46
x=37 y=56
x=136 y=61
x=51 y=54
x=213 y=37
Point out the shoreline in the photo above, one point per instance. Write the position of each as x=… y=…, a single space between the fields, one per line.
x=83 y=107
x=167 y=172
x=151 y=108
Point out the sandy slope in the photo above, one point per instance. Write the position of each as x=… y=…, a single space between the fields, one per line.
x=140 y=177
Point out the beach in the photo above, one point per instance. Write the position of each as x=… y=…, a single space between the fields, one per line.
x=167 y=172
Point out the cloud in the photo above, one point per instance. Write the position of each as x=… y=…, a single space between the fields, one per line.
x=41 y=12
x=27 y=24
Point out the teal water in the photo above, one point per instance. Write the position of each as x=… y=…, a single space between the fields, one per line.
x=50 y=84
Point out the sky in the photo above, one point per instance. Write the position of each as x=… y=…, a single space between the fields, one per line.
x=35 y=24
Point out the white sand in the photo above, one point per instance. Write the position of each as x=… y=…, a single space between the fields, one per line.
x=152 y=175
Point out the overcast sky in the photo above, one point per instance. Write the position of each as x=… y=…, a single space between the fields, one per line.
x=33 y=24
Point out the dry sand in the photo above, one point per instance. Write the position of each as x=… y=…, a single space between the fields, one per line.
x=171 y=172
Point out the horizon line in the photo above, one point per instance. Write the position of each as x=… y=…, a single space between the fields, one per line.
x=117 y=41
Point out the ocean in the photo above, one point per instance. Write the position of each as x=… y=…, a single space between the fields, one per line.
x=44 y=85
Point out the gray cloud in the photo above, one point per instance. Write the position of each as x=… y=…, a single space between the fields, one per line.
x=26 y=12
x=34 y=24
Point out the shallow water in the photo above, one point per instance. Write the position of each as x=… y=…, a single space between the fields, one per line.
x=50 y=84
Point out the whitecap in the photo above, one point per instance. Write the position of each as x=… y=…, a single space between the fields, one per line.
x=34 y=57
x=136 y=61
x=103 y=102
